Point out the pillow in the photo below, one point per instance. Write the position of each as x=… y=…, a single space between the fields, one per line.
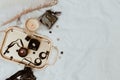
x=16 y=8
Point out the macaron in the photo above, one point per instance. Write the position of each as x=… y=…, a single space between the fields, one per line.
x=32 y=24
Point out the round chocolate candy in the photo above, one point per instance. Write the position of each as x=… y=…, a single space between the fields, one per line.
x=22 y=52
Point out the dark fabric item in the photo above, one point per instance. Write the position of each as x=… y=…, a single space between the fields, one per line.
x=26 y=74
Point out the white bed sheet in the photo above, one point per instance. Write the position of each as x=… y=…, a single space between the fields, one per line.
x=89 y=32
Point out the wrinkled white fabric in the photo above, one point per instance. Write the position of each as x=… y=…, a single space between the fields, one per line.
x=89 y=32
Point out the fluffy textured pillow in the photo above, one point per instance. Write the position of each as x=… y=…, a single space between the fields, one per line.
x=12 y=9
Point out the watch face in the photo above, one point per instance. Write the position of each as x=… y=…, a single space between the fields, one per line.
x=20 y=47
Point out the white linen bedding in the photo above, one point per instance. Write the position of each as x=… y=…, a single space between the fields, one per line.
x=89 y=32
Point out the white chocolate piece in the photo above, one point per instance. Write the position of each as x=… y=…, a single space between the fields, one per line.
x=32 y=24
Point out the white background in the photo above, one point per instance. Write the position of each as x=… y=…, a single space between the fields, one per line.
x=89 y=32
